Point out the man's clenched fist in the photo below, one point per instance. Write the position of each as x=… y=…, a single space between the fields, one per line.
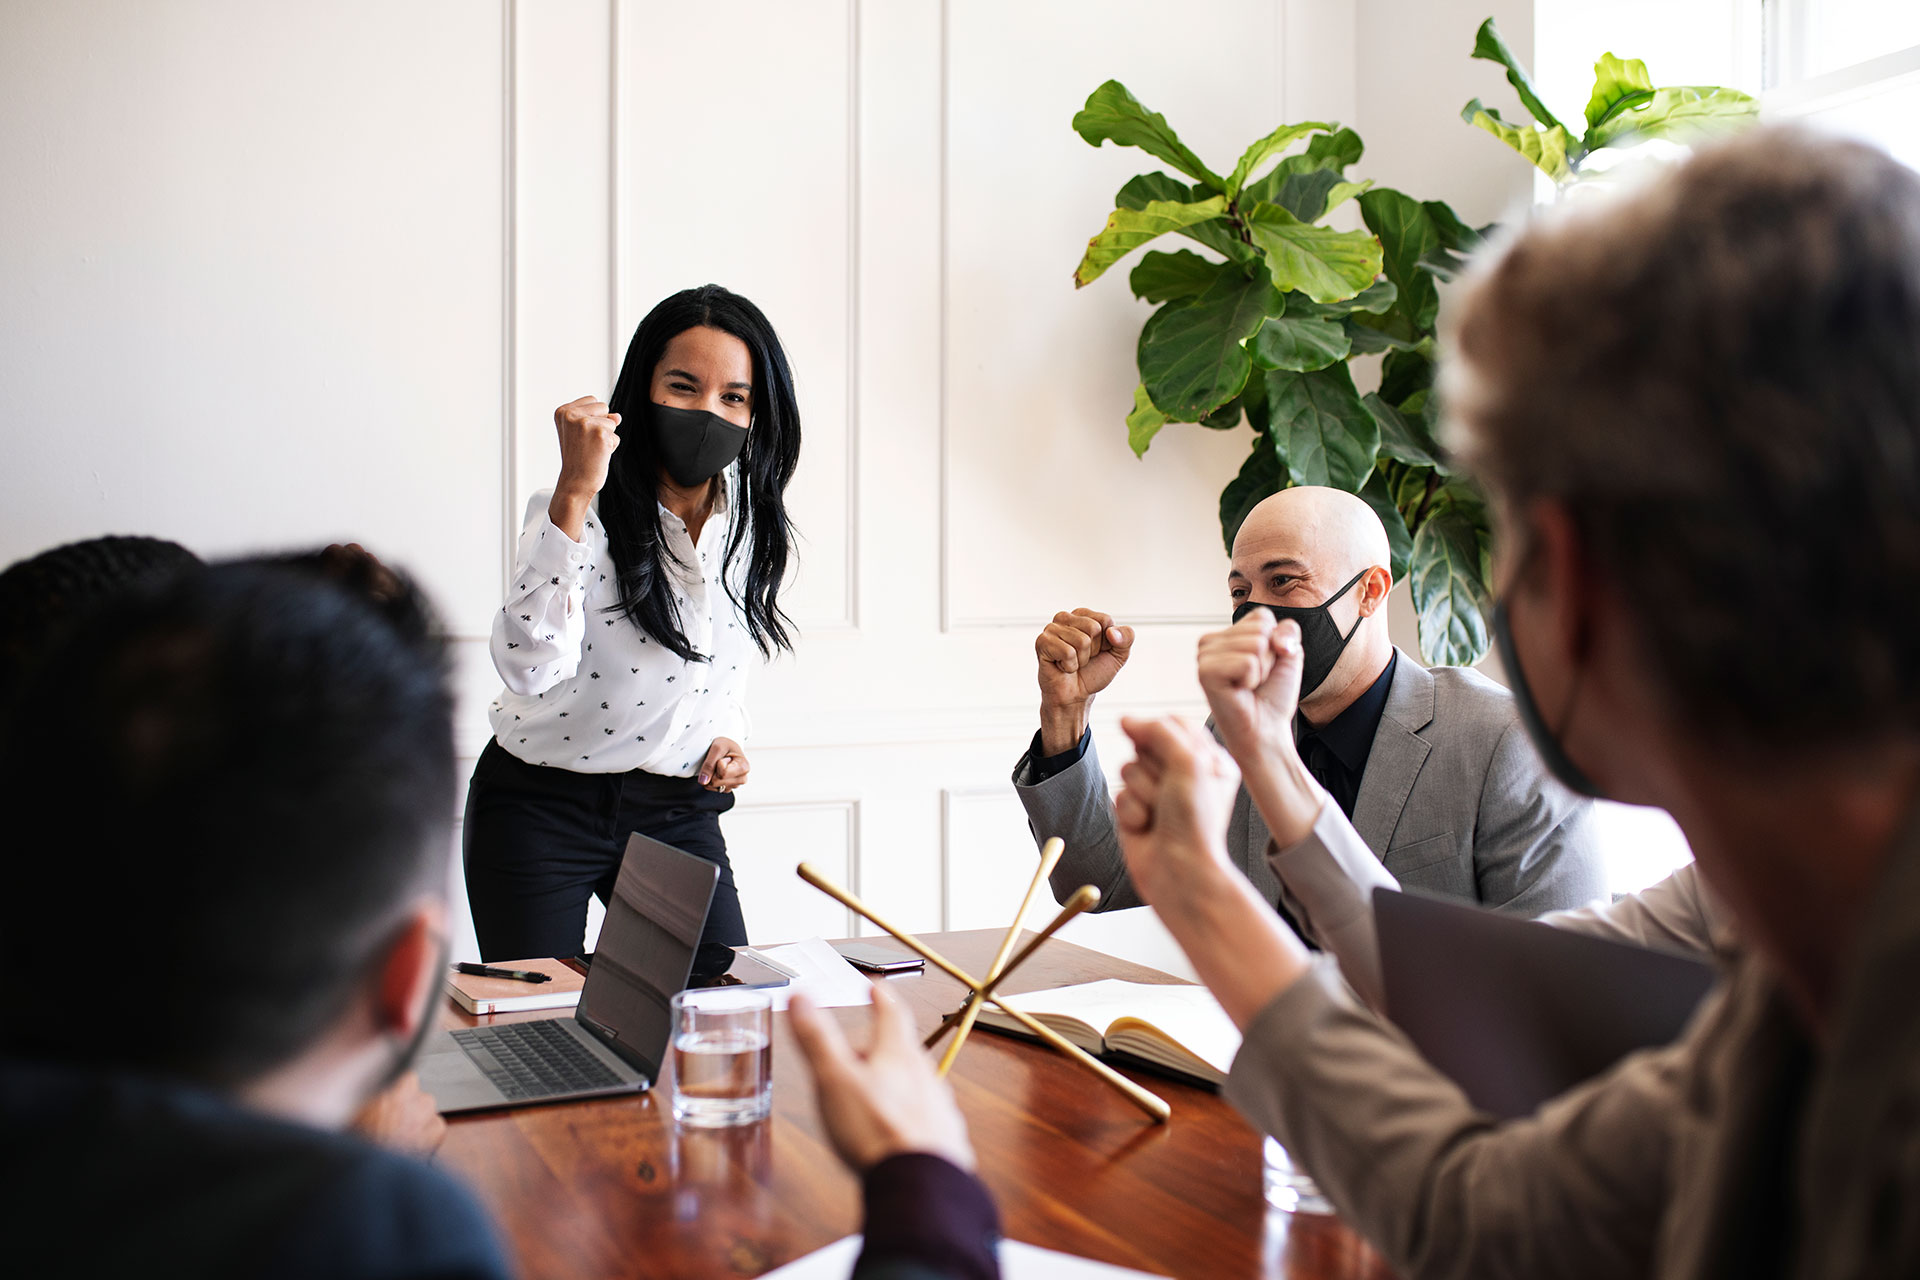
x=1079 y=654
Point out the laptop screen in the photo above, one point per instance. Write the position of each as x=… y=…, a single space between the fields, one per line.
x=646 y=947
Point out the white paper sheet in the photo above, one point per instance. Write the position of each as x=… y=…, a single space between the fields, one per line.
x=1017 y=1262
x=828 y=980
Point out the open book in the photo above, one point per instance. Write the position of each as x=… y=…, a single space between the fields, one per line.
x=1179 y=1029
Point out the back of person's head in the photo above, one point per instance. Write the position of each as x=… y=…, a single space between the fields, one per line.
x=236 y=784
x=41 y=595
x=1718 y=377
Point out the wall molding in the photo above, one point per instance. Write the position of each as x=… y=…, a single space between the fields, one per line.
x=616 y=188
x=849 y=805
x=851 y=596
x=950 y=799
x=509 y=285
x=943 y=333
x=619 y=329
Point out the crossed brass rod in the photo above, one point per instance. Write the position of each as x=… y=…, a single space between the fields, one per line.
x=1085 y=898
x=1049 y=855
x=1153 y=1105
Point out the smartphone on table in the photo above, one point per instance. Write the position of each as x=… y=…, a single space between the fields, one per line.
x=872 y=957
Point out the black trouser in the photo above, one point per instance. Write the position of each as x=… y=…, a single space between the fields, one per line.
x=538 y=840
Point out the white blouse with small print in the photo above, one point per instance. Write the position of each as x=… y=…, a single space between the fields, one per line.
x=587 y=690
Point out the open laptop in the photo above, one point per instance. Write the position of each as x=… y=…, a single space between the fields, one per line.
x=1517 y=1012
x=615 y=1040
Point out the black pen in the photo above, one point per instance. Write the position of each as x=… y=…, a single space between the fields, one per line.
x=488 y=971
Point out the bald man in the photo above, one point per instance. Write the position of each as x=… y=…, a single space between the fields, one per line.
x=1429 y=769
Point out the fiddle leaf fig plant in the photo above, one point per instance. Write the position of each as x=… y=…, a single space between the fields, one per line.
x=1625 y=107
x=1262 y=322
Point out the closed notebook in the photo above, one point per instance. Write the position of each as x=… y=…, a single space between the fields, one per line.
x=506 y=995
x=1180 y=1029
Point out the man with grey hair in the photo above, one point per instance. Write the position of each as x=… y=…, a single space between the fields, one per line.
x=1428 y=769
x=1709 y=587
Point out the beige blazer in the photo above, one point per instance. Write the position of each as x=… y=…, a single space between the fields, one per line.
x=1744 y=1150
x=1327 y=882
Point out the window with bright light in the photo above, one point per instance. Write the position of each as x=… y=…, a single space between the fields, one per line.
x=1852 y=66
x=1809 y=38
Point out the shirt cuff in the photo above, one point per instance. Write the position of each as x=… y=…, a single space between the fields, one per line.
x=921 y=1208
x=556 y=556
x=1035 y=768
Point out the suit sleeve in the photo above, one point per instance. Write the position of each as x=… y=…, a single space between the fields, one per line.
x=1443 y=1190
x=1074 y=804
x=1677 y=913
x=1535 y=847
x=927 y=1219
x=1327 y=882
x=538 y=633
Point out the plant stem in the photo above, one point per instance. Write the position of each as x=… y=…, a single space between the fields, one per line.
x=1426 y=501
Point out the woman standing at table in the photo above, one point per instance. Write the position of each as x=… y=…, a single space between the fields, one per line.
x=645 y=582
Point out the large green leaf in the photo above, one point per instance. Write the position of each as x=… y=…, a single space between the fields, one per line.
x=1407 y=235
x=1373 y=334
x=1258 y=480
x=1193 y=353
x=1489 y=46
x=1267 y=148
x=1112 y=114
x=1409 y=486
x=1377 y=298
x=1128 y=229
x=1326 y=265
x=1401 y=438
x=1456 y=238
x=1679 y=113
x=1253 y=399
x=1162 y=277
x=1304 y=195
x=1300 y=343
x=1217 y=235
x=1379 y=496
x=1143 y=189
x=1143 y=423
x=1618 y=83
x=1546 y=148
x=1312 y=195
x=1449 y=593
x=1321 y=426
x=1404 y=373
x=1326 y=152
x=1336 y=150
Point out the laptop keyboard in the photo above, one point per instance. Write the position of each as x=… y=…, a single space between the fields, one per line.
x=534 y=1059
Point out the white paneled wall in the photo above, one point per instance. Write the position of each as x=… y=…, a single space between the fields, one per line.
x=280 y=274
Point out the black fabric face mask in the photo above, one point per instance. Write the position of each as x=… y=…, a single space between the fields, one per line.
x=1552 y=754
x=1321 y=643
x=694 y=445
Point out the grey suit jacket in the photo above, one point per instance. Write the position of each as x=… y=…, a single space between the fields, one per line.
x=1454 y=801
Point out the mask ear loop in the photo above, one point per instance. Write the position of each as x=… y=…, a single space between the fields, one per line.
x=1567 y=704
x=1358 y=618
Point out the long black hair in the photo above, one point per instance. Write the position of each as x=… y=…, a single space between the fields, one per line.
x=630 y=503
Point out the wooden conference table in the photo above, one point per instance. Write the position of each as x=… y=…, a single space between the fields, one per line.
x=612 y=1188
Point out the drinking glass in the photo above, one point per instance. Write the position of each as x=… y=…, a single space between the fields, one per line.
x=1288 y=1188
x=722 y=1056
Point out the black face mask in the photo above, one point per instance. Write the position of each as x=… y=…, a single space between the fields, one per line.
x=1321 y=643
x=694 y=445
x=1552 y=754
